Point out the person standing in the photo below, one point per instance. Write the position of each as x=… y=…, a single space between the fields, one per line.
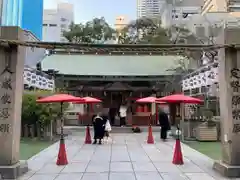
x=123 y=114
x=164 y=124
x=99 y=128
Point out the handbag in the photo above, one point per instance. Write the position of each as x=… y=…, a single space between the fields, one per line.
x=108 y=127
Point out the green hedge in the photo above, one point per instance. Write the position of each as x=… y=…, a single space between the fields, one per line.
x=41 y=113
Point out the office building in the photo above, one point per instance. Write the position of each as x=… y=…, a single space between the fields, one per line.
x=11 y=12
x=51 y=29
x=1 y=10
x=26 y=14
x=120 y=23
x=214 y=6
x=149 y=8
x=230 y=6
x=32 y=16
x=56 y=21
x=179 y=12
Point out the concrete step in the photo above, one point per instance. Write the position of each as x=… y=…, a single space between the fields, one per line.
x=69 y=129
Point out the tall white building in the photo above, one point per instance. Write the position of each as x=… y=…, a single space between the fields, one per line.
x=179 y=12
x=56 y=21
x=149 y=8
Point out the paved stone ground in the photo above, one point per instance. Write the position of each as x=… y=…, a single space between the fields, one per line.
x=125 y=157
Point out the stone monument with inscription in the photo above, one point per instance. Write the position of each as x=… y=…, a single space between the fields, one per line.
x=11 y=89
x=229 y=89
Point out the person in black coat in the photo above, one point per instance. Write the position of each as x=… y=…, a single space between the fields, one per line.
x=164 y=123
x=99 y=127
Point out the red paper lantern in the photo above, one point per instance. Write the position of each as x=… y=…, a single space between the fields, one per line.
x=139 y=108
x=145 y=108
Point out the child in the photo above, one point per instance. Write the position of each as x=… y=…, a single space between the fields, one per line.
x=108 y=128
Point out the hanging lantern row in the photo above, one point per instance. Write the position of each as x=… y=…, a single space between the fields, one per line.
x=206 y=78
x=142 y=108
x=32 y=79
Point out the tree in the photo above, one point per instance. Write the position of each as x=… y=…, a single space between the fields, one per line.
x=94 y=31
x=144 y=31
x=150 y=31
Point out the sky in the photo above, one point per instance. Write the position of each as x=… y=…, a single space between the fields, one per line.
x=88 y=9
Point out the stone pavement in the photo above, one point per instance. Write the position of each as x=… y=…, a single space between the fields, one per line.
x=125 y=157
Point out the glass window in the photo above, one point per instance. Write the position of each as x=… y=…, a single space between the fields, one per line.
x=52 y=25
x=63 y=25
x=63 y=19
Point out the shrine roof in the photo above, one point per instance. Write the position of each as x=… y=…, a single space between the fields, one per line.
x=110 y=65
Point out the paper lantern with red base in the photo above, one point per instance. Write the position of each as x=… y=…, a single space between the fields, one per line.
x=178 y=157
x=88 y=139
x=61 y=98
x=62 y=155
x=150 y=139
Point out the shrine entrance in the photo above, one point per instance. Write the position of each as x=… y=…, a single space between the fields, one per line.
x=116 y=98
x=125 y=79
x=228 y=83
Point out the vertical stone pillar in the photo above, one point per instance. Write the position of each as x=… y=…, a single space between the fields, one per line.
x=229 y=92
x=11 y=90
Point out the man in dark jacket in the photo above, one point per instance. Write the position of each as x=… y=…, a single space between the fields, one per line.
x=99 y=128
x=164 y=123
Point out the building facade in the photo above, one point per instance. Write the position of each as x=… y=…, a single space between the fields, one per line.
x=231 y=6
x=124 y=79
x=214 y=6
x=32 y=18
x=120 y=23
x=51 y=29
x=146 y=8
x=11 y=12
x=56 y=21
x=26 y=14
x=179 y=12
x=33 y=55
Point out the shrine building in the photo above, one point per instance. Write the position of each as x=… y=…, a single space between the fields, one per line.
x=115 y=79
